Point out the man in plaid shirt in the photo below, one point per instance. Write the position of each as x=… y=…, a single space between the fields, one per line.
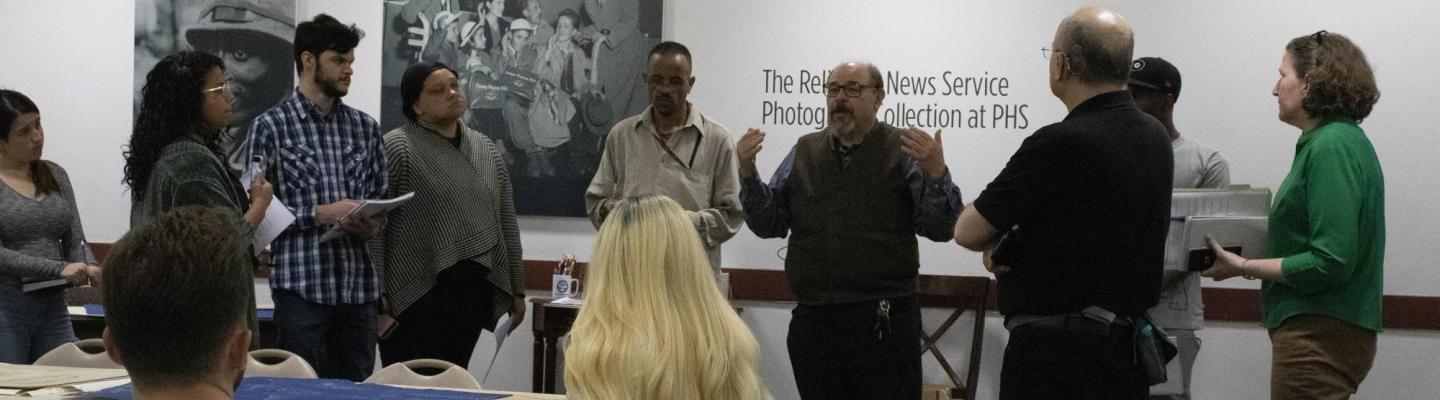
x=324 y=156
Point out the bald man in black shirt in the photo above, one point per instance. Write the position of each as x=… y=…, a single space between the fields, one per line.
x=1074 y=226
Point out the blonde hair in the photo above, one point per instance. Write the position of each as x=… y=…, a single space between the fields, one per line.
x=654 y=324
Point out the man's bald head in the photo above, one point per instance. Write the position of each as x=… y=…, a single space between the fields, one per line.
x=1098 y=43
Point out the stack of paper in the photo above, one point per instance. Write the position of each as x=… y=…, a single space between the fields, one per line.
x=31 y=380
x=367 y=209
x=1234 y=217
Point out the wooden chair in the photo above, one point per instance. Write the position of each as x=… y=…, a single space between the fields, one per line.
x=962 y=293
x=279 y=364
x=88 y=353
x=450 y=376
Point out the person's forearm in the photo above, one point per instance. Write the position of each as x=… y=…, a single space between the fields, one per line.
x=716 y=225
x=972 y=230
x=254 y=215
x=762 y=215
x=1269 y=269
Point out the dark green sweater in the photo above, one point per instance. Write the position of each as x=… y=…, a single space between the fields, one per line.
x=189 y=174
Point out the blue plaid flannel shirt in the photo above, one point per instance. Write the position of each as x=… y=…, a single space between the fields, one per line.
x=313 y=160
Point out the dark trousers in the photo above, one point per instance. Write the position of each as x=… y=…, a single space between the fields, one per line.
x=446 y=322
x=838 y=351
x=1048 y=363
x=338 y=340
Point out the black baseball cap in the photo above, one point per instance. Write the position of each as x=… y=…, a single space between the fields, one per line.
x=1155 y=73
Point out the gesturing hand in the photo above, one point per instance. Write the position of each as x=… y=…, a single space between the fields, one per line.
x=746 y=149
x=930 y=153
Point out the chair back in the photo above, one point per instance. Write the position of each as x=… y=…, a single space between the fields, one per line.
x=278 y=363
x=959 y=294
x=449 y=375
x=88 y=353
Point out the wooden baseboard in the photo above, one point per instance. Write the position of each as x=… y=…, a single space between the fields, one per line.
x=1221 y=304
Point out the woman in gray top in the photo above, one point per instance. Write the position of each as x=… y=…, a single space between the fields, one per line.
x=449 y=259
x=40 y=237
x=174 y=159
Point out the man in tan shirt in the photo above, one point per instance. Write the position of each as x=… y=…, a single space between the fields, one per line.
x=671 y=149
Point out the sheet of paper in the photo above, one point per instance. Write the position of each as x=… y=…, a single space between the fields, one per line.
x=502 y=331
x=369 y=208
x=568 y=301
x=1253 y=202
x=373 y=207
x=31 y=377
x=74 y=390
x=277 y=216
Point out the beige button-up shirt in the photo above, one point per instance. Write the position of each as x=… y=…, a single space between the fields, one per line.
x=696 y=169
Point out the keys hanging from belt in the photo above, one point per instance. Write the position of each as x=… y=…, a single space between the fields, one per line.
x=882 y=319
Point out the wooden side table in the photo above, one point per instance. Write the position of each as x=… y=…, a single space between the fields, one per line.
x=549 y=322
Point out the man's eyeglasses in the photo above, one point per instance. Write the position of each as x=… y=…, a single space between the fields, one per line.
x=225 y=87
x=1047 y=52
x=852 y=90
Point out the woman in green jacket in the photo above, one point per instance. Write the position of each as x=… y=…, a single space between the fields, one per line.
x=1322 y=286
x=174 y=160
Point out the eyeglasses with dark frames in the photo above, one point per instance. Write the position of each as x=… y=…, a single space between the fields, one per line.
x=851 y=90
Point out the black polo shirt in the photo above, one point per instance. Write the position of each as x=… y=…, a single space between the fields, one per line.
x=1086 y=205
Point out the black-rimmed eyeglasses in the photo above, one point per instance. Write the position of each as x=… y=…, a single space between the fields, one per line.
x=852 y=90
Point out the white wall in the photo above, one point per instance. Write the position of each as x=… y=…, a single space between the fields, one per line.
x=75 y=59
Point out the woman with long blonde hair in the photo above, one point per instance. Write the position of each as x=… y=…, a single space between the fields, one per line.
x=654 y=324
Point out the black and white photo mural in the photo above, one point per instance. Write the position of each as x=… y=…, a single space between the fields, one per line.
x=545 y=80
x=252 y=37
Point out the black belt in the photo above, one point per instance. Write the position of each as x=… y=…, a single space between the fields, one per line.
x=1094 y=321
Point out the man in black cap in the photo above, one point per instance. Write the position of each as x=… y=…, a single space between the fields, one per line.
x=253 y=37
x=1155 y=85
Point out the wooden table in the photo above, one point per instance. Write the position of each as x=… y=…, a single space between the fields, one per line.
x=549 y=322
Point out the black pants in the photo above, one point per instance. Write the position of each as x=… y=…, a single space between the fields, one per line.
x=338 y=340
x=1059 y=364
x=837 y=352
x=446 y=322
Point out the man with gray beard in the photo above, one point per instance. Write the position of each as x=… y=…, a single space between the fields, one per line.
x=854 y=195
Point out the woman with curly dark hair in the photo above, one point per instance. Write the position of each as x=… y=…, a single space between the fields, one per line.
x=1321 y=286
x=174 y=159
x=40 y=237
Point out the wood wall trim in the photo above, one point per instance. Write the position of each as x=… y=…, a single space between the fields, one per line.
x=1221 y=304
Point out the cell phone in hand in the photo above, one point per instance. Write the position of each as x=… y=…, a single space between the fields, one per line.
x=1201 y=259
